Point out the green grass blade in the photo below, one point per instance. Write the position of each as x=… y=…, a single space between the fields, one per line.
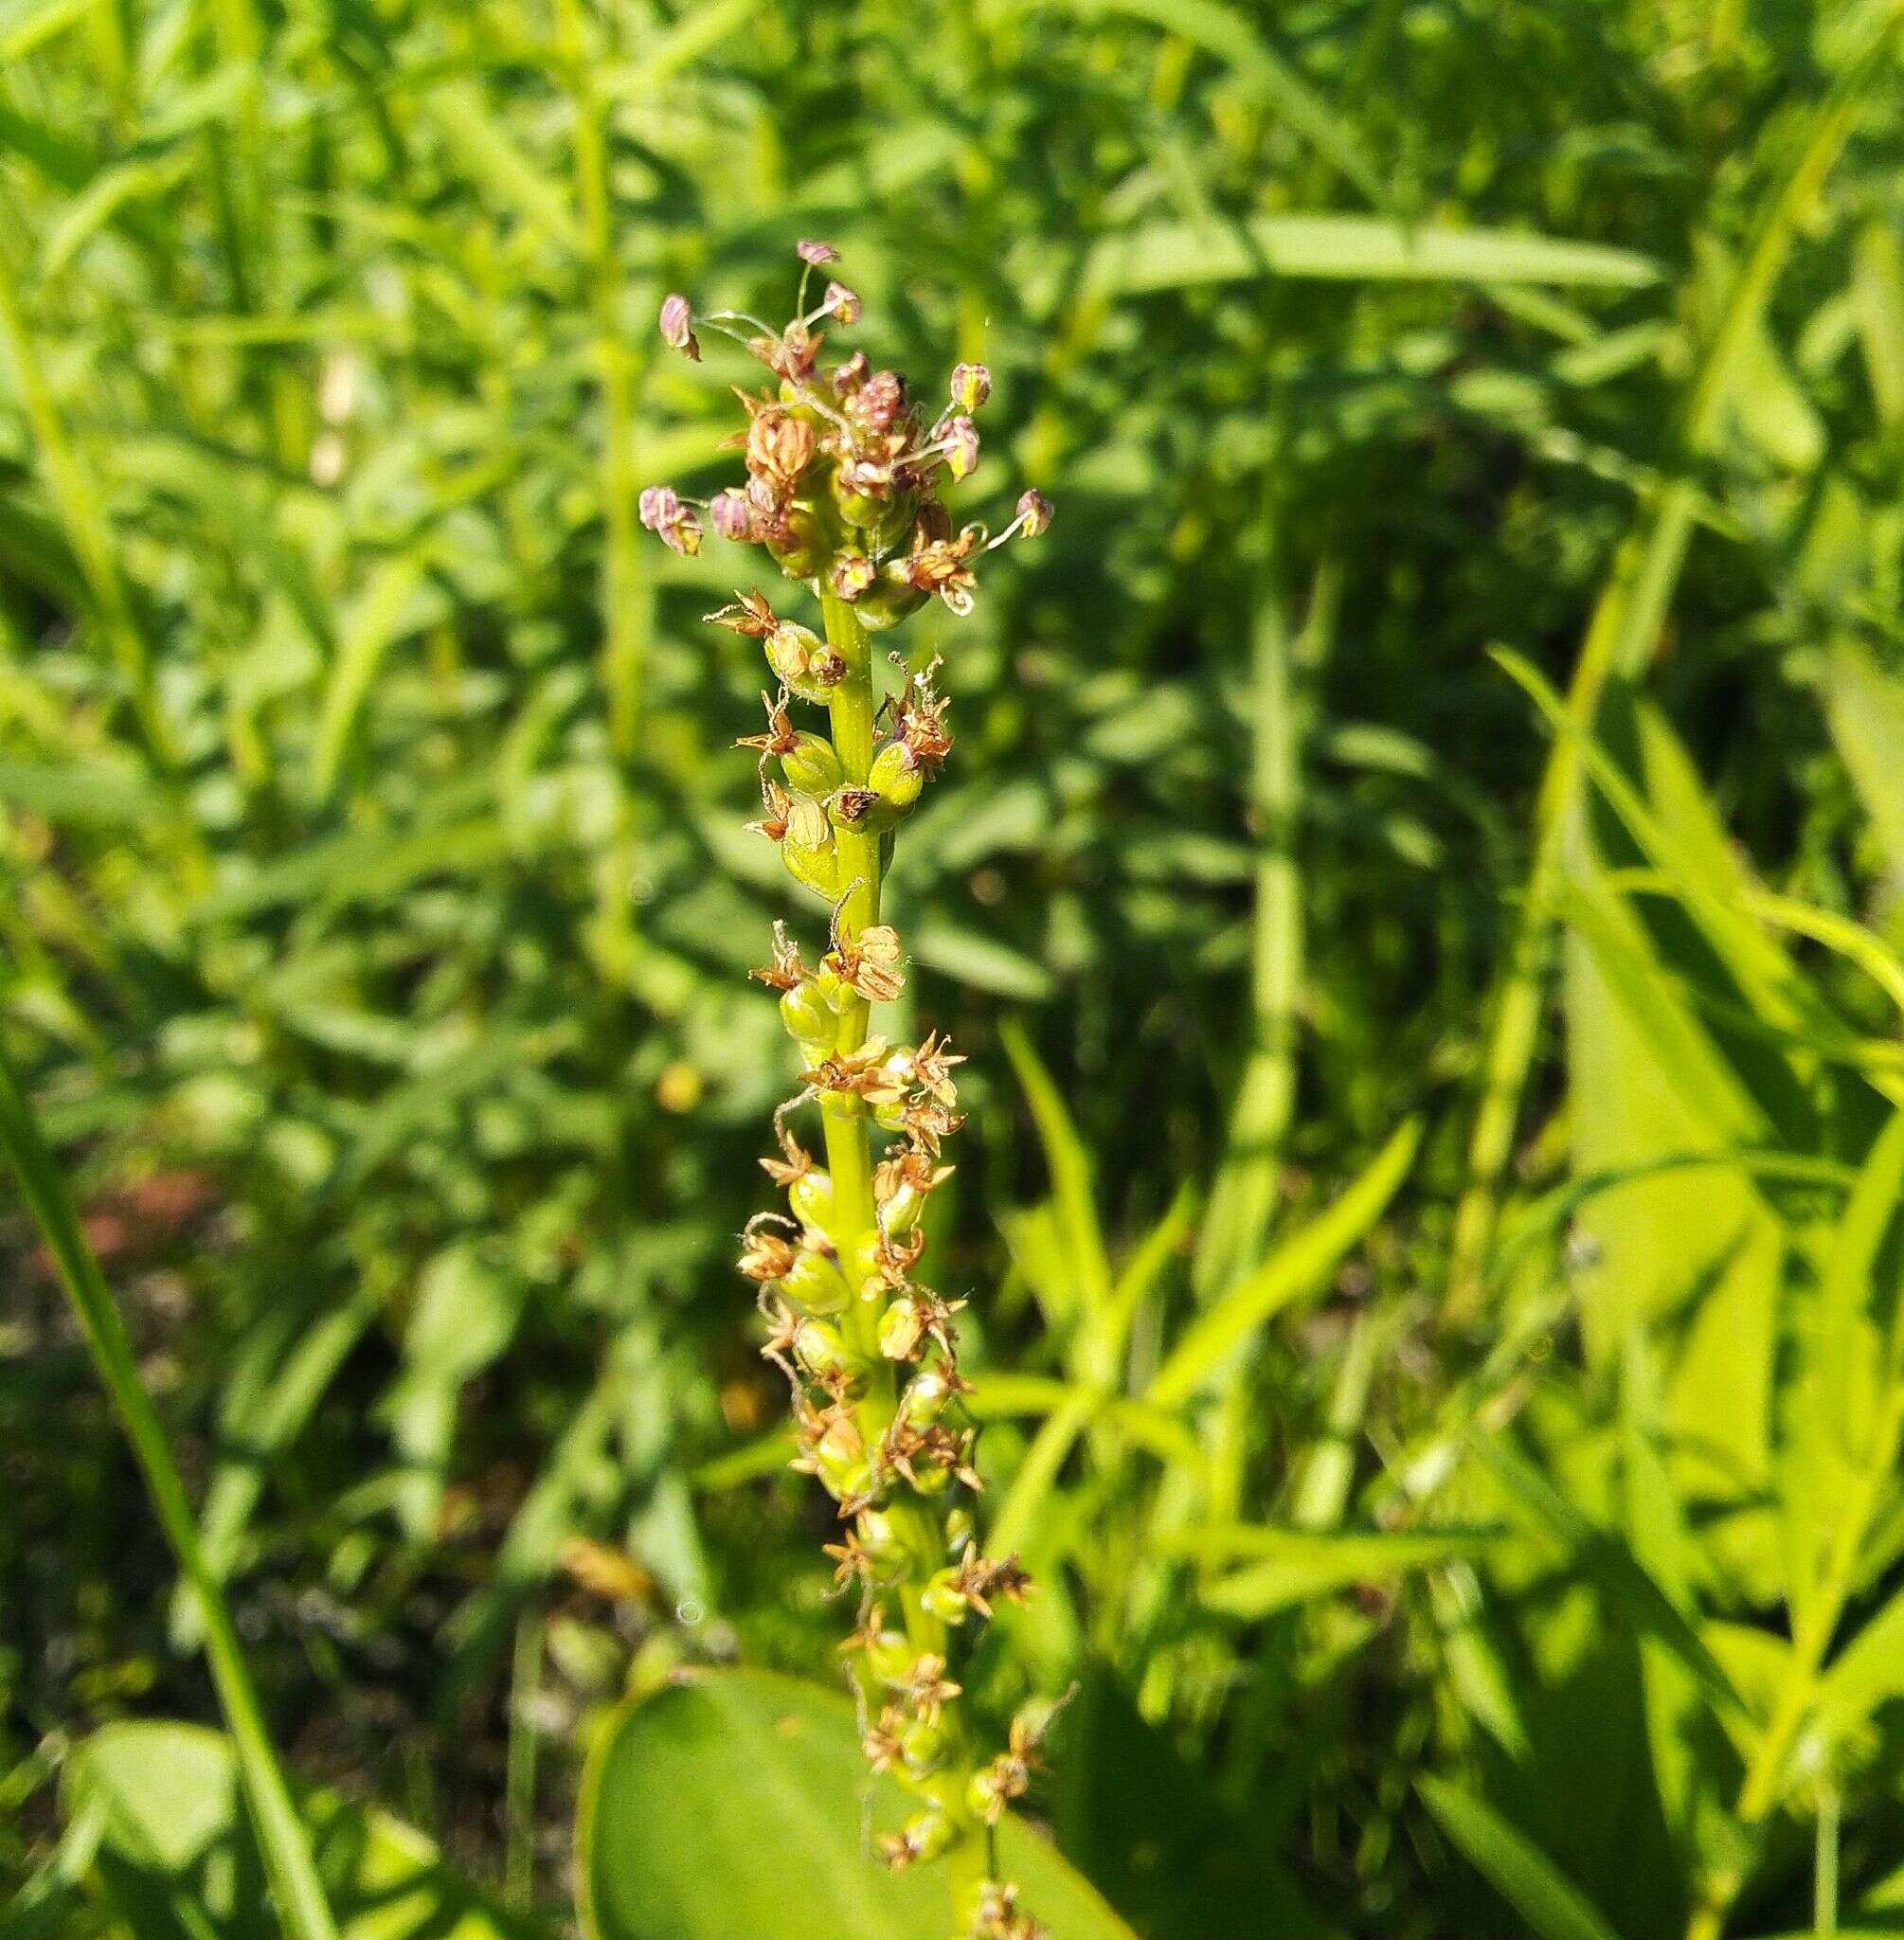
x=1624 y=635
x=1338 y=248
x=1552 y=1907
x=1069 y=1164
x=298 y=1890
x=1295 y=1268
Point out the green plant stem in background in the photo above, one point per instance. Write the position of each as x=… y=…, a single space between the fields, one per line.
x=1621 y=640
x=296 y=1891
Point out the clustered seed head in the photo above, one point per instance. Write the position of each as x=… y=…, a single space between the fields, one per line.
x=844 y=476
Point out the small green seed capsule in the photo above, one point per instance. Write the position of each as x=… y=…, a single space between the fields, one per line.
x=813 y=865
x=815 y=1283
x=821 y=1349
x=883 y=1544
x=888 y=1655
x=961 y=1528
x=811 y=1198
x=860 y=811
x=942 y=1598
x=902 y=1211
x=810 y=1021
x=887 y=601
x=984 y=1798
x=924 y=1747
x=812 y=767
x=929 y=1479
x=896 y=777
x=806 y=546
x=930 y=1835
x=926 y=1396
x=901 y=1329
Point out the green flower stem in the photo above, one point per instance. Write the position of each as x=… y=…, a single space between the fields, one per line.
x=849 y=1158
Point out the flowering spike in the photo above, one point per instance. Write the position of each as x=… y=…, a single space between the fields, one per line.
x=842 y=488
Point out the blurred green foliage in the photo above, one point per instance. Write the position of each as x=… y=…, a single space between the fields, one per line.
x=376 y=914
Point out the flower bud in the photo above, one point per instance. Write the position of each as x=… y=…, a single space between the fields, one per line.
x=732 y=515
x=811 y=767
x=842 y=303
x=815 y=252
x=971 y=386
x=1034 y=514
x=677 y=326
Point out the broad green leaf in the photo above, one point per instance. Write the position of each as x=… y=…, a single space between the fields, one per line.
x=1552 y=1907
x=1173 y=256
x=736 y=1802
x=177 y=1861
x=1296 y=1269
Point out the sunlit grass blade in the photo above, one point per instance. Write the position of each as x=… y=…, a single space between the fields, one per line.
x=1296 y=1268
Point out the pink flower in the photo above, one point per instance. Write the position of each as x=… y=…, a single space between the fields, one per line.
x=971 y=386
x=815 y=252
x=677 y=327
x=663 y=514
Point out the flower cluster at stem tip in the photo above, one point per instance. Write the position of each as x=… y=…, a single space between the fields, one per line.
x=843 y=482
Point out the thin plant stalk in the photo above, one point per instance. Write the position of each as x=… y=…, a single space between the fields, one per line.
x=1621 y=640
x=296 y=1891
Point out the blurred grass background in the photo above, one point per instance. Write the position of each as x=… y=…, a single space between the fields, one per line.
x=377 y=912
